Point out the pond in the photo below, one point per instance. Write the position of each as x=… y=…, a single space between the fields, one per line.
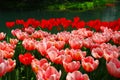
x=104 y=14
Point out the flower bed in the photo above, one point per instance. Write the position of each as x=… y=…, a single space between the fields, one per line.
x=60 y=49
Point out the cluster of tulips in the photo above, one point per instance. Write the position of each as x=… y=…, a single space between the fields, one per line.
x=76 y=23
x=67 y=55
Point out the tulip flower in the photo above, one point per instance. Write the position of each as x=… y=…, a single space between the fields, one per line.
x=77 y=75
x=99 y=38
x=71 y=66
x=97 y=52
x=110 y=51
x=6 y=65
x=29 y=29
x=29 y=44
x=75 y=54
x=20 y=34
x=10 y=24
x=2 y=35
x=13 y=41
x=26 y=59
x=3 y=67
x=116 y=37
x=19 y=21
x=75 y=43
x=39 y=64
x=49 y=74
x=113 y=67
x=11 y=65
x=89 y=64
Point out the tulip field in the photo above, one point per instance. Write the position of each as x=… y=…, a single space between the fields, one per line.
x=60 y=49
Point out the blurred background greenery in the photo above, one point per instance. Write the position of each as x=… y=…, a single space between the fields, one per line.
x=52 y=4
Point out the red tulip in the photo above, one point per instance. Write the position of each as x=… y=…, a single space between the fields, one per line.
x=65 y=23
x=19 y=21
x=89 y=64
x=29 y=22
x=71 y=66
x=10 y=24
x=113 y=67
x=36 y=23
x=76 y=19
x=80 y=24
x=26 y=59
x=77 y=75
x=44 y=23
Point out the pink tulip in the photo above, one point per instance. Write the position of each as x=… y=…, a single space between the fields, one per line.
x=52 y=74
x=75 y=43
x=113 y=67
x=11 y=65
x=116 y=37
x=52 y=53
x=64 y=36
x=1 y=57
x=77 y=75
x=49 y=74
x=97 y=52
x=2 y=35
x=99 y=38
x=7 y=54
x=59 y=44
x=29 y=29
x=19 y=34
x=39 y=34
x=29 y=44
x=13 y=41
x=83 y=32
x=3 y=67
x=75 y=54
x=39 y=64
x=89 y=64
x=71 y=66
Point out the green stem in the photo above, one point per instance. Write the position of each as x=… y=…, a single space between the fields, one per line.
x=27 y=72
x=9 y=76
x=17 y=74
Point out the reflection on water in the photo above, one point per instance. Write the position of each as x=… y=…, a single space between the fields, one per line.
x=106 y=14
